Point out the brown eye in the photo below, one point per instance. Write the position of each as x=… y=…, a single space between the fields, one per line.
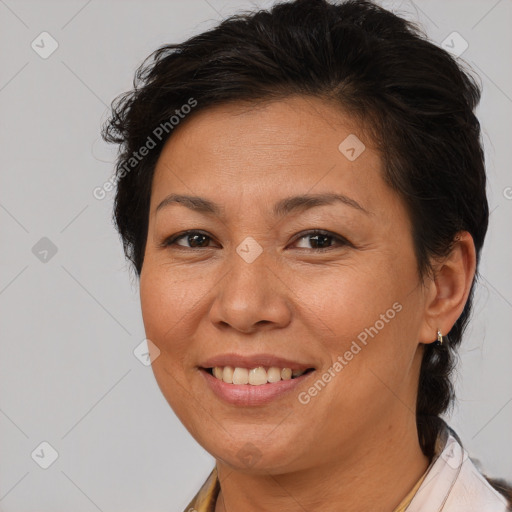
x=322 y=240
x=192 y=240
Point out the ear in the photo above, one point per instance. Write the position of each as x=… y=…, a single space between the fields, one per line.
x=447 y=293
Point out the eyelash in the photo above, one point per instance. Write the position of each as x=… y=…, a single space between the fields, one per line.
x=341 y=241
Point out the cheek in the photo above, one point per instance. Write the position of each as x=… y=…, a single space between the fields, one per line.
x=165 y=305
x=153 y=305
x=360 y=314
x=166 y=316
x=346 y=300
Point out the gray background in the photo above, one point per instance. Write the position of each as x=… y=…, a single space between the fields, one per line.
x=70 y=321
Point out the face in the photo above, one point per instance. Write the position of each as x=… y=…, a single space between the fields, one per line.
x=247 y=283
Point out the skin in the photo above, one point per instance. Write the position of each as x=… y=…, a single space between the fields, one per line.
x=355 y=443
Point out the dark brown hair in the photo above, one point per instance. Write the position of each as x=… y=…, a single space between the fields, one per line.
x=414 y=98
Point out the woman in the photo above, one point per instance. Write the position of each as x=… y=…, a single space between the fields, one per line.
x=302 y=195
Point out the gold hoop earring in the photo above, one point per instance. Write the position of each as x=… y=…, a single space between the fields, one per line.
x=439 y=337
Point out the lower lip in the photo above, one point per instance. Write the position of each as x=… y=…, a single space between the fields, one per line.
x=248 y=394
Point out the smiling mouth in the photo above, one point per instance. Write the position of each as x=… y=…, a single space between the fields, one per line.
x=257 y=376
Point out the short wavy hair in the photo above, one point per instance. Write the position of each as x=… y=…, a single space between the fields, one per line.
x=413 y=98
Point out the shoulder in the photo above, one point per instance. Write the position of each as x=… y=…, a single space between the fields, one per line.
x=490 y=491
x=503 y=487
x=473 y=492
x=454 y=483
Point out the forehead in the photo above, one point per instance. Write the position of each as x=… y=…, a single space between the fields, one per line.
x=291 y=129
x=263 y=152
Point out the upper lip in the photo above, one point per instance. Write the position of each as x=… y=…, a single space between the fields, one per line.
x=253 y=361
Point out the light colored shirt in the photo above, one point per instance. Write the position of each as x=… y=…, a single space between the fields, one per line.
x=451 y=483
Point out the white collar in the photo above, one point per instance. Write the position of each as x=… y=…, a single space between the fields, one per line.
x=454 y=484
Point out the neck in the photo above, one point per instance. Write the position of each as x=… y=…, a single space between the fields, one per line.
x=377 y=475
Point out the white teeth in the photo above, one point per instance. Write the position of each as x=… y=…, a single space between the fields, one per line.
x=254 y=376
x=286 y=374
x=227 y=374
x=274 y=374
x=241 y=376
x=258 y=376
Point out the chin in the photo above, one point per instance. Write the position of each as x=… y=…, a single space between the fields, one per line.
x=252 y=453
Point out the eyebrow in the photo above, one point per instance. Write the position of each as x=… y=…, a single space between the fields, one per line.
x=281 y=208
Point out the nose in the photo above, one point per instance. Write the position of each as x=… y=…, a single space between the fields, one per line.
x=251 y=296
